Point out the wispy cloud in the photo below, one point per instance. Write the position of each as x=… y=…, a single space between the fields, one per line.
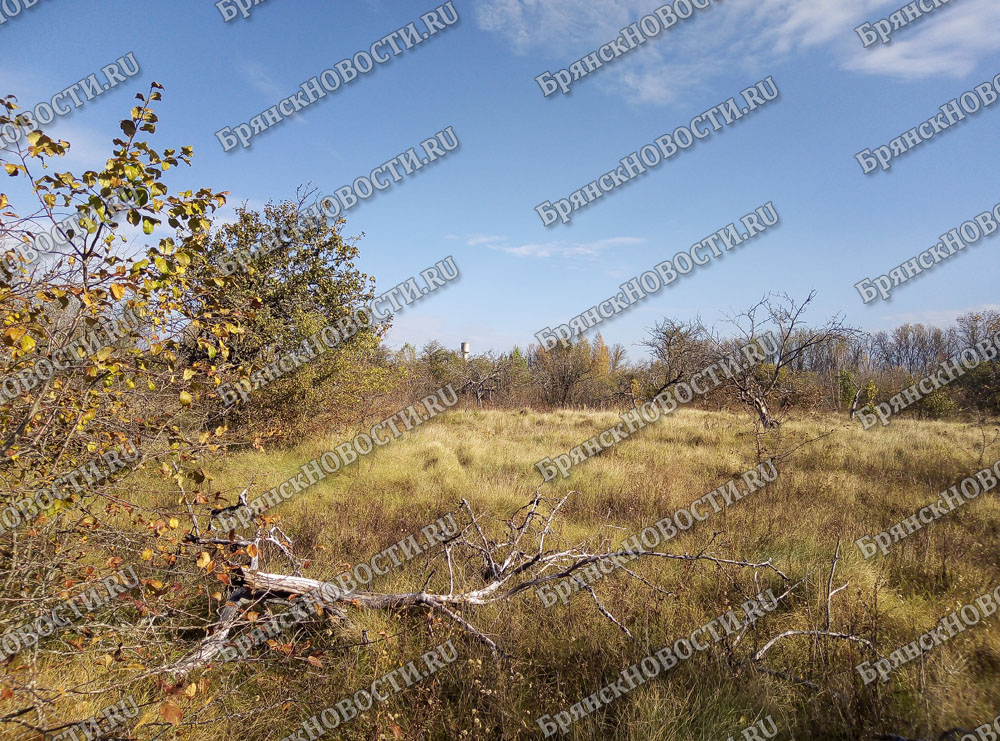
x=742 y=34
x=479 y=240
x=934 y=317
x=256 y=74
x=551 y=249
x=952 y=43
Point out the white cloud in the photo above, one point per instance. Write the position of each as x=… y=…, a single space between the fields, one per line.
x=559 y=25
x=746 y=35
x=552 y=249
x=934 y=317
x=257 y=75
x=481 y=239
x=951 y=43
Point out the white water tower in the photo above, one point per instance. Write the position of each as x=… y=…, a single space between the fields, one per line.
x=466 y=347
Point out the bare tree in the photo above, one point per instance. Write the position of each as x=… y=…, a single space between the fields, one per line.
x=618 y=356
x=775 y=325
x=679 y=349
x=484 y=376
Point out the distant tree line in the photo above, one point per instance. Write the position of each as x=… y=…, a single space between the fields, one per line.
x=832 y=368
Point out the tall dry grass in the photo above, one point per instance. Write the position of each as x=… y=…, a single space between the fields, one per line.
x=846 y=485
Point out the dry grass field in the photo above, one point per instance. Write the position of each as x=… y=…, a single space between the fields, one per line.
x=848 y=484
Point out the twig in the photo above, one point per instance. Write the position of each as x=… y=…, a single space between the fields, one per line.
x=829 y=584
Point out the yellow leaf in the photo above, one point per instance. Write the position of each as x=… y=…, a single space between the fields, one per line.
x=186 y=399
x=204 y=560
x=117 y=291
x=252 y=551
x=27 y=343
x=14 y=334
x=174 y=523
x=147 y=555
x=191 y=690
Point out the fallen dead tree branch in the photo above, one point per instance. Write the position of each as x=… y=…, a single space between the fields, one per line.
x=521 y=559
x=509 y=568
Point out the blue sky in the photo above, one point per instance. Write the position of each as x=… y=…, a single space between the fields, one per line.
x=519 y=148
